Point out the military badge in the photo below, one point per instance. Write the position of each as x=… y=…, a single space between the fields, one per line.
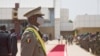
x=28 y=40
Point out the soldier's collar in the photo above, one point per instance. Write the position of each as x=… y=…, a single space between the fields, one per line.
x=33 y=27
x=36 y=27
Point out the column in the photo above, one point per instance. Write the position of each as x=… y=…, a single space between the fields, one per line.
x=57 y=18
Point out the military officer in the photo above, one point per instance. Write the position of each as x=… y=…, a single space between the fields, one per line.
x=32 y=43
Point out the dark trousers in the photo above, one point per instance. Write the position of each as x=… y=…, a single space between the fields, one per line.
x=13 y=54
x=4 y=55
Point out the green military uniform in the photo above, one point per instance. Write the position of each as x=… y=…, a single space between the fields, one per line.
x=31 y=41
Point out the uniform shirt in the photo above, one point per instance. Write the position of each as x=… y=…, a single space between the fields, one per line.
x=30 y=46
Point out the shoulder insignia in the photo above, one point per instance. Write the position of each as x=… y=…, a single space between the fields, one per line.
x=28 y=40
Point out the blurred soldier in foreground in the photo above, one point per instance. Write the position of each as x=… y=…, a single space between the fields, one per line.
x=5 y=44
x=32 y=43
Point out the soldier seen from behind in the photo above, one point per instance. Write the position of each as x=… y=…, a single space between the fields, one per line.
x=70 y=40
x=5 y=44
x=13 y=37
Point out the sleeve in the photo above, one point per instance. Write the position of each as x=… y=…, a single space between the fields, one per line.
x=28 y=43
x=9 y=44
x=14 y=44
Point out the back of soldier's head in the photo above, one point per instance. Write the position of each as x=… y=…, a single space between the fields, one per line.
x=3 y=27
x=12 y=30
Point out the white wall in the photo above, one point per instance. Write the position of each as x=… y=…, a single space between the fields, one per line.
x=5 y=13
x=57 y=17
x=87 y=21
x=64 y=13
x=66 y=26
x=57 y=9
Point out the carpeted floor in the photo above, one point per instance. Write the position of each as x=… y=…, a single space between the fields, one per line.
x=57 y=51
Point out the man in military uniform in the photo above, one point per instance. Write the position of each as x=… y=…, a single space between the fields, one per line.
x=31 y=41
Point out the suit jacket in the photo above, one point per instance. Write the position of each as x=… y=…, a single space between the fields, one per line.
x=5 y=44
x=30 y=46
x=13 y=43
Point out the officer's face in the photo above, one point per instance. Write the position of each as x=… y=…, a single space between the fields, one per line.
x=32 y=20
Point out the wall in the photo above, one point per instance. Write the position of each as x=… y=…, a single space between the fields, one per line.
x=87 y=21
x=91 y=30
x=48 y=30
